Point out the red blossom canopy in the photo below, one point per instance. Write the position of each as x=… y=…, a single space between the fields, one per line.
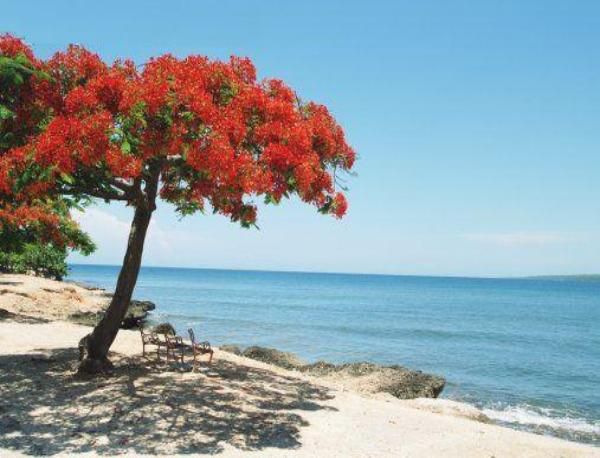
x=208 y=131
x=193 y=131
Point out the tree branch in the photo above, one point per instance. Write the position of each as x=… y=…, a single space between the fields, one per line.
x=98 y=193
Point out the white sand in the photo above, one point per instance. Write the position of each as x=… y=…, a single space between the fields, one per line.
x=237 y=407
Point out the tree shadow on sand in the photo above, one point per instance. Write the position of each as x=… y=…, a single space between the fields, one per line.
x=148 y=407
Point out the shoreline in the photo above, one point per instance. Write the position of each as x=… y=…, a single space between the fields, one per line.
x=422 y=420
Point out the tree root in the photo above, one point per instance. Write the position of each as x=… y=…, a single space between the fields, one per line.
x=91 y=366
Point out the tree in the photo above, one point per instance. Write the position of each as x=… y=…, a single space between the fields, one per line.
x=24 y=249
x=43 y=259
x=198 y=133
x=36 y=233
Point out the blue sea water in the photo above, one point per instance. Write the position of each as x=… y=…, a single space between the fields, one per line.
x=526 y=351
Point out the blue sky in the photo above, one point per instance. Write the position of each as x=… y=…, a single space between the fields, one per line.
x=477 y=126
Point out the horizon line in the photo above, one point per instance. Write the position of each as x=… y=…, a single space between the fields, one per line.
x=490 y=277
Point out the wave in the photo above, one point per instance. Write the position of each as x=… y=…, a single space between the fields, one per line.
x=539 y=418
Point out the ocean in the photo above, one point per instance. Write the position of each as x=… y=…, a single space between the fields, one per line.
x=526 y=351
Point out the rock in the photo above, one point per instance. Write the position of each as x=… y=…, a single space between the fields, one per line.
x=275 y=357
x=231 y=349
x=366 y=377
x=86 y=318
x=403 y=383
x=141 y=306
x=320 y=368
x=136 y=315
x=398 y=381
x=5 y=314
x=164 y=328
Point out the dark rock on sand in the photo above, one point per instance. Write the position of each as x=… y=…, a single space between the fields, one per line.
x=275 y=357
x=396 y=380
x=136 y=315
x=86 y=318
x=164 y=328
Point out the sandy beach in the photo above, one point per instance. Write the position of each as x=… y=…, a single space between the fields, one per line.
x=235 y=407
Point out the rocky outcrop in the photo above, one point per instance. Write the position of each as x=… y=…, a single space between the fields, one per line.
x=273 y=356
x=86 y=318
x=365 y=377
x=136 y=315
x=164 y=328
x=398 y=381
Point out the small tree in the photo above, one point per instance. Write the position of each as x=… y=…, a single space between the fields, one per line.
x=195 y=132
x=24 y=248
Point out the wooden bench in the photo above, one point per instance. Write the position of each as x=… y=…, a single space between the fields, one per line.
x=200 y=348
x=151 y=338
x=174 y=344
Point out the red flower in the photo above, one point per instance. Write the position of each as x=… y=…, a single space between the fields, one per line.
x=340 y=205
x=217 y=134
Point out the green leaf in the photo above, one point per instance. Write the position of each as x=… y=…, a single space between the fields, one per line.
x=271 y=199
x=126 y=147
x=5 y=113
x=67 y=178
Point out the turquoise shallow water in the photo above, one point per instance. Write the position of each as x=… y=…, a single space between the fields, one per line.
x=527 y=351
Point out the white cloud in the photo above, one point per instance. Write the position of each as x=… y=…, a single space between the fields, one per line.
x=105 y=229
x=110 y=233
x=292 y=242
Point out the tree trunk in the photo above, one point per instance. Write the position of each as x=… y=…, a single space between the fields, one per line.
x=103 y=335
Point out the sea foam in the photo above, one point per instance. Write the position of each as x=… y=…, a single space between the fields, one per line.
x=527 y=415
